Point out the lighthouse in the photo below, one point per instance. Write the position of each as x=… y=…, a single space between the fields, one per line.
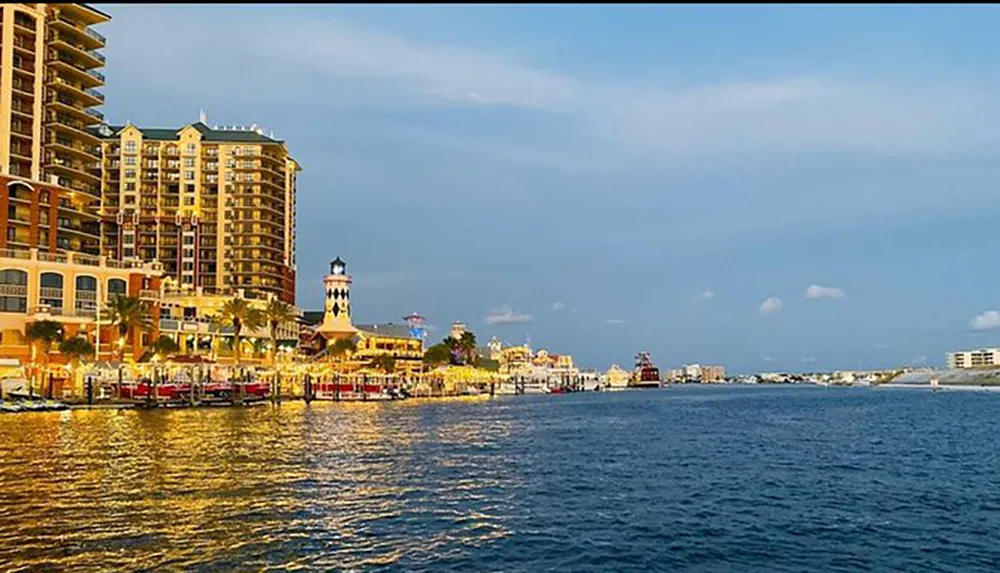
x=337 y=309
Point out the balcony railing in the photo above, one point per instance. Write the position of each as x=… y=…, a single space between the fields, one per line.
x=54 y=293
x=96 y=75
x=97 y=56
x=94 y=113
x=96 y=35
x=94 y=93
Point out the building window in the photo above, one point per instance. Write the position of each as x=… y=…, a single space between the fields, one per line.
x=130 y=160
x=189 y=201
x=189 y=175
x=130 y=185
x=129 y=147
x=116 y=287
x=13 y=291
x=190 y=148
x=189 y=162
x=51 y=292
x=130 y=173
x=188 y=239
x=86 y=295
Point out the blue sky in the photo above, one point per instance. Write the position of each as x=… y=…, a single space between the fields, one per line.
x=486 y=163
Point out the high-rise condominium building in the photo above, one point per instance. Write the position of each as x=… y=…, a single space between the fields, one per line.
x=215 y=206
x=49 y=80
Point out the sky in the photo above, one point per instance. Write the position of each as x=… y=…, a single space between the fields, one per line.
x=770 y=188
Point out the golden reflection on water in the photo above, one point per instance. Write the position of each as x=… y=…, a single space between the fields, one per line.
x=288 y=487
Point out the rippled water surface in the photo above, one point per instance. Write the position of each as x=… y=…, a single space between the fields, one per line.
x=685 y=479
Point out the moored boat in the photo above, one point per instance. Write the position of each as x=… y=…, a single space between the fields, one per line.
x=646 y=374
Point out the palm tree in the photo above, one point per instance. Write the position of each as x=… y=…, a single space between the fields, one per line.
x=237 y=312
x=385 y=363
x=342 y=348
x=45 y=333
x=276 y=313
x=128 y=313
x=453 y=346
x=76 y=349
x=162 y=346
x=467 y=346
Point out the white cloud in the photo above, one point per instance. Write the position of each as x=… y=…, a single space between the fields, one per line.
x=614 y=321
x=816 y=292
x=986 y=321
x=767 y=359
x=707 y=295
x=557 y=306
x=880 y=346
x=574 y=310
x=771 y=304
x=507 y=315
x=808 y=360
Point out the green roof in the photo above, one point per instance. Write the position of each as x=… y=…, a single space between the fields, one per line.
x=208 y=134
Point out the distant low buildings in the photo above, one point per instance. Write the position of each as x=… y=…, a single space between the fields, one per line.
x=973 y=358
x=697 y=373
x=713 y=374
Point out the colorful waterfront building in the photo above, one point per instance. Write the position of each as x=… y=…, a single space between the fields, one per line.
x=392 y=340
x=50 y=57
x=189 y=318
x=216 y=205
x=72 y=289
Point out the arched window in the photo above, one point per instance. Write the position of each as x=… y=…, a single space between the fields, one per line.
x=86 y=295
x=13 y=291
x=51 y=292
x=116 y=287
x=18 y=190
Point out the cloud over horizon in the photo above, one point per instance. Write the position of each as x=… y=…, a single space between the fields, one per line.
x=507 y=315
x=986 y=321
x=816 y=292
x=707 y=295
x=770 y=305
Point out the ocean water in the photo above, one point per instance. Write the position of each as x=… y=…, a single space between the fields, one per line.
x=739 y=479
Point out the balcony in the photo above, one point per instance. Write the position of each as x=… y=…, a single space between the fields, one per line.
x=73 y=169
x=23 y=87
x=84 y=153
x=24 y=46
x=68 y=106
x=25 y=111
x=79 y=32
x=88 y=58
x=24 y=23
x=71 y=70
x=21 y=151
x=87 y=96
x=149 y=294
x=73 y=128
